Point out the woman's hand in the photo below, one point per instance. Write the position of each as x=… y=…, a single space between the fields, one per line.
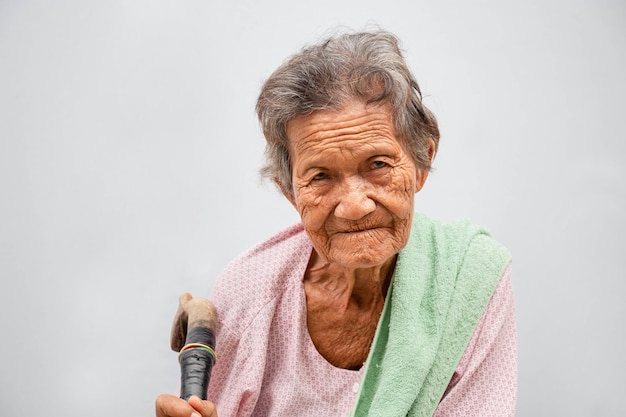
x=171 y=406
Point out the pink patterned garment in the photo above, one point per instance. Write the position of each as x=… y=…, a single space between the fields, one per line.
x=269 y=367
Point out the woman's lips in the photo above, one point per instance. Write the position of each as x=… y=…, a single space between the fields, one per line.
x=360 y=230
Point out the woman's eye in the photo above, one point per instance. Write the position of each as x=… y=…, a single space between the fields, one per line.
x=319 y=176
x=379 y=164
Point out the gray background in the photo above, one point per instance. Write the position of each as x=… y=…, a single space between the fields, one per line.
x=128 y=169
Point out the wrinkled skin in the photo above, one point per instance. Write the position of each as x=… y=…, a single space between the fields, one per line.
x=353 y=185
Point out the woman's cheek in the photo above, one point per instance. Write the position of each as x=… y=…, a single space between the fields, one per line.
x=399 y=195
x=405 y=178
x=310 y=206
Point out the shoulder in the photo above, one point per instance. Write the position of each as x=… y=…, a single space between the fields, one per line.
x=256 y=277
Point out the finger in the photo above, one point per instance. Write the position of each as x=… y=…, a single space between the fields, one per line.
x=205 y=408
x=171 y=406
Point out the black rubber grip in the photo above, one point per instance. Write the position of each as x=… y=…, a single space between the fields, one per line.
x=196 y=364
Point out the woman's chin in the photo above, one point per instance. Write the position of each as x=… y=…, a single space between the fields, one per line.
x=366 y=258
x=354 y=252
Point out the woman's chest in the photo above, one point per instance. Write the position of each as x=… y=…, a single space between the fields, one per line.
x=342 y=337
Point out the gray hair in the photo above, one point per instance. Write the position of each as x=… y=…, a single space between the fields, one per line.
x=367 y=66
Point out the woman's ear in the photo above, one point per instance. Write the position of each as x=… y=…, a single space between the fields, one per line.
x=420 y=178
x=422 y=173
x=431 y=150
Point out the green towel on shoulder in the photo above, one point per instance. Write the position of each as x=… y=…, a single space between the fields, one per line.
x=441 y=286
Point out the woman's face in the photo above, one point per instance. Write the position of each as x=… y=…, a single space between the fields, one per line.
x=353 y=183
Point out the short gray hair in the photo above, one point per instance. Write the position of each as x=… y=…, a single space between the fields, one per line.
x=367 y=66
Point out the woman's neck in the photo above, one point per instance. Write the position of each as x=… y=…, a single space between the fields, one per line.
x=350 y=287
x=343 y=309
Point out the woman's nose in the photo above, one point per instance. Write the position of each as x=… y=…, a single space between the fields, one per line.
x=354 y=201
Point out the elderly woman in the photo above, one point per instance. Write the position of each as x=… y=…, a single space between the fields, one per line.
x=365 y=308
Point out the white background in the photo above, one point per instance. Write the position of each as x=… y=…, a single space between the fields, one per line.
x=129 y=152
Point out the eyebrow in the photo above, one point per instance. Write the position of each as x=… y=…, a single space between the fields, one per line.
x=320 y=161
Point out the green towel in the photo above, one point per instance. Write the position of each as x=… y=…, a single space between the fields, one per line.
x=441 y=286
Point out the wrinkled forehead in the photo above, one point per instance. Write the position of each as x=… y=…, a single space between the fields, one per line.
x=354 y=120
x=347 y=117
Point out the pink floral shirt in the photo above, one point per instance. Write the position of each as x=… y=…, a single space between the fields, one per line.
x=268 y=366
